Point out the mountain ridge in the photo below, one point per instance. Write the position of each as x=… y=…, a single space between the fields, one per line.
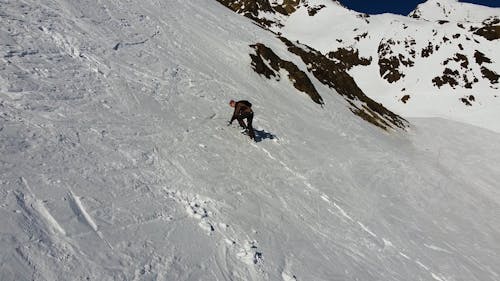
x=403 y=62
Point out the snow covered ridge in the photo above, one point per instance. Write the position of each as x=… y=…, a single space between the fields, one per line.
x=422 y=65
x=452 y=10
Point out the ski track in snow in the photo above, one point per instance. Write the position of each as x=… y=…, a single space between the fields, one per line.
x=244 y=249
x=28 y=202
x=80 y=211
x=49 y=238
x=326 y=199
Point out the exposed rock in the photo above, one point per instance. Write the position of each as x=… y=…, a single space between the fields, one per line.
x=333 y=75
x=364 y=16
x=463 y=59
x=388 y=68
x=349 y=57
x=416 y=14
x=427 y=51
x=481 y=58
x=490 y=29
x=453 y=77
x=389 y=63
x=410 y=42
x=249 y=8
x=405 y=98
x=252 y=8
x=313 y=10
x=490 y=75
x=405 y=62
x=449 y=77
x=261 y=67
x=466 y=101
x=288 y=7
x=491 y=21
x=358 y=38
x=298 y=77
x=489 y=32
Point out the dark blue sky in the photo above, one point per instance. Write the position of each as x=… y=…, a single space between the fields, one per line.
x=403 y=7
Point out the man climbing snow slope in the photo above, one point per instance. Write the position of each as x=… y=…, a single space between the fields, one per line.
x=242 y=110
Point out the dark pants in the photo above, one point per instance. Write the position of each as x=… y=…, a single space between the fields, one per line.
x=248 y=126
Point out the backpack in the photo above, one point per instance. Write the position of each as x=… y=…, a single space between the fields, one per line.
x=247 y=103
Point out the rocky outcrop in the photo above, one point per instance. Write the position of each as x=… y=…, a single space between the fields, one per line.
x=313 y=10
x=252 y=9
x=349 y=57
x=390 y=63
x=490 y=29
x=490 y=75
x=267 y=63
x=481 y=59
x=449 y=77
x=461 y=73
x=334 y=76
x=468 y=100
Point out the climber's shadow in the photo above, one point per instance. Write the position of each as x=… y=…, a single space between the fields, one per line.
x=261 y=135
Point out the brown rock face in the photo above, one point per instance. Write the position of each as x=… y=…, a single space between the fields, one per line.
x=251 y=8
x=349 y=58
x=389 y=63
x=299 y=78
x=334 y=76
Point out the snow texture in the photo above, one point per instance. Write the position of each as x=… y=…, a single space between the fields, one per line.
x=116 y=162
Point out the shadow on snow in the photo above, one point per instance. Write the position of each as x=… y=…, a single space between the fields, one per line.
x=261 y=135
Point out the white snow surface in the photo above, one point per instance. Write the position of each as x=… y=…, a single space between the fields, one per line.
x=434 y=10
x=116 y=162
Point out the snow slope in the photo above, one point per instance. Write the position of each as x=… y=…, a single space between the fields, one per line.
x=116 y=162
x=434 y=10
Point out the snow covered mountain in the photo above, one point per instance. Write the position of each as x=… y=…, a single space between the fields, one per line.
x=441 y=60
x=453 y=10
x=116 y=161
